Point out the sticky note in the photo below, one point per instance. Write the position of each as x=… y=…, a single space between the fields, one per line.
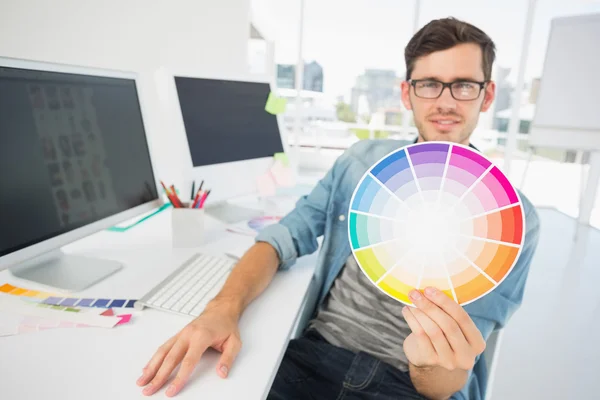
x=124 y=319
x=266 y=185
x=275 y=105
x=283 y=158
x=282 y=175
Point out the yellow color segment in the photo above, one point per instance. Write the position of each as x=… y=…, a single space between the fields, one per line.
x=448 y=293
x=369 y=263
x=396 y=289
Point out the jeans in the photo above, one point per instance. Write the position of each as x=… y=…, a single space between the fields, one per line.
x=314 y=369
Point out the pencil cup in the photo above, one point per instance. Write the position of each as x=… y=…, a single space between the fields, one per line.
x=187 y=225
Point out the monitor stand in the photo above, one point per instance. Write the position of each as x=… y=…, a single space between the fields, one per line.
x=230 y=213
x=66 y=272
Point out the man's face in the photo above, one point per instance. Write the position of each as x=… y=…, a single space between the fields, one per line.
x=446 y=118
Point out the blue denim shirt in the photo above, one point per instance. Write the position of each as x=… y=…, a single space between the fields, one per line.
x=324 y=212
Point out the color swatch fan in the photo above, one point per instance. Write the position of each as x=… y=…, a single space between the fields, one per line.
x=436 y=214
x=259 y=223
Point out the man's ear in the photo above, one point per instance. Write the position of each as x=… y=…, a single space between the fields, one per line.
x=405 y=87
x=488 y=96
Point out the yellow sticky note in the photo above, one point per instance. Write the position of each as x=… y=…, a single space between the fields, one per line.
x=283 y=158
x=275 y=105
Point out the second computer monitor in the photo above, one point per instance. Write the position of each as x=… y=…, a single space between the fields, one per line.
x=231 y=138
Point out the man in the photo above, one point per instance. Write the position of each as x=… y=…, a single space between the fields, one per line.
x=361 y=343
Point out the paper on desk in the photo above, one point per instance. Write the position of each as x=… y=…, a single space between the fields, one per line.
x=242 y=228
x=13 y=324
x=8 y=330
x=238 y=250
x=16 y=305
x=9 y=324
x=253 y=226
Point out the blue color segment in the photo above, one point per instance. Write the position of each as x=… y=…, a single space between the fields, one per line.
x=117 y=303
x=102 y=303
x=85 y=303
x=69 y=302
x=390 y=166
x=53 y=300
x=365 y=194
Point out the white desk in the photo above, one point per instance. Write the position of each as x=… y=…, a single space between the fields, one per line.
x=96 y=363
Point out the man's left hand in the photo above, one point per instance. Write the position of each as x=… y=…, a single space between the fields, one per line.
x=443 y=334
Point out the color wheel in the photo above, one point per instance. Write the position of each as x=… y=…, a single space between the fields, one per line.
x=436 y=214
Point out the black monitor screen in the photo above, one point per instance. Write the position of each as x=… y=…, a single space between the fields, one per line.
x=73 y=150
x=226 y=121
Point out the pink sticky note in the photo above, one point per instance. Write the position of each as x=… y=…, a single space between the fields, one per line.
x=124 y=319
x=282 y=175
x=266 y=185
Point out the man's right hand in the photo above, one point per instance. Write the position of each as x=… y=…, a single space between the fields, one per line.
x=216 y=327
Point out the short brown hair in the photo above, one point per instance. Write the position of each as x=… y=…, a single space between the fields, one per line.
x=443 y=34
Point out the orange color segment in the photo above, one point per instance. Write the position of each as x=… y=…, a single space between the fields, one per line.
x=496 y=260
x=6 y=288
x=473 y=288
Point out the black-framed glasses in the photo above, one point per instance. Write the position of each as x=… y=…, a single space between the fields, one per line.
x=461 y=90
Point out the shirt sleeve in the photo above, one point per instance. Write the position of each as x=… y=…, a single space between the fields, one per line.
x=297 y=233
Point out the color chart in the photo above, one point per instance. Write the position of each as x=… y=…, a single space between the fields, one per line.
x=436 y=214
x=52 y=299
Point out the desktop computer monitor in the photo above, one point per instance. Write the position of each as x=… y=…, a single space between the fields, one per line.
x=74 y=160
x=231 y=138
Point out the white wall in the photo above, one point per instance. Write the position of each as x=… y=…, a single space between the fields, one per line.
x=205 y=37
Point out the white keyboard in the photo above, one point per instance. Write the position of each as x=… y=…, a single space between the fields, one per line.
x=187 y=290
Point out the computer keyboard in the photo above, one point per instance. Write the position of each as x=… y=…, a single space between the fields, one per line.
x=187 y=290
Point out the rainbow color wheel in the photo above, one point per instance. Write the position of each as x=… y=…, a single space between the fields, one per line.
x=436 y=214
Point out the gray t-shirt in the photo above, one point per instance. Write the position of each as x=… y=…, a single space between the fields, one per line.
x=359 y=317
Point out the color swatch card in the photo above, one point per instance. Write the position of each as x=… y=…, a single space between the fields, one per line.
x=55 y=300
x=15 y=324
x=253 y=226
x=19 y=306
x=259 y=223
x=436 y=214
